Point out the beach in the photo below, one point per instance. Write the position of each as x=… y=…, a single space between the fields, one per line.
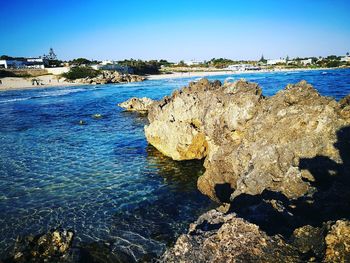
x=46 y=81
x=190 y=74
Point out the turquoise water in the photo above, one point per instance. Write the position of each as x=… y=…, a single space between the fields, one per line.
x=102 y=179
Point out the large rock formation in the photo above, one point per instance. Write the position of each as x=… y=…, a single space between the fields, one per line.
x=253 y=143
x=135 y=104
x=110 y=77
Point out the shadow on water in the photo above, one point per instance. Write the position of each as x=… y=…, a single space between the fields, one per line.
x=276 y=214
x=169 y=210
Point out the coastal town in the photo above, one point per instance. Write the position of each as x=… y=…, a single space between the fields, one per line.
x=48 y=70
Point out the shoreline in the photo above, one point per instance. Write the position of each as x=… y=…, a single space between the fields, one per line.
x=52 y=81
x=226 y=72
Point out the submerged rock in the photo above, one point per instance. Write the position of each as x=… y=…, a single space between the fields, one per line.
x=137 y=104
x=50 y=247
x=251 y=143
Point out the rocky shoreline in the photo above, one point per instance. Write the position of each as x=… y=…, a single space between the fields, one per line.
x=280 y=164
x=277 y=166
x=107 y=77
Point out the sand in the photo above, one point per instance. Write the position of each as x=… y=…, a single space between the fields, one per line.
x=221 y=72
x=54 y=81
x=26 y=83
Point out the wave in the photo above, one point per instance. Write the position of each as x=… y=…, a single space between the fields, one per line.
x=55 y=93
x=43 y=94
x=13 y=100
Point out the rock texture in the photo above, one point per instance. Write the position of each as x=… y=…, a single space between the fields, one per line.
x=50 y=247
x=110 y=77
x=338 y=242
x=223 y=237
x=137 y=104
x=251 y=143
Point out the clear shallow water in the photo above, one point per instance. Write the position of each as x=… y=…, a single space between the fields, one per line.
x=102 y=179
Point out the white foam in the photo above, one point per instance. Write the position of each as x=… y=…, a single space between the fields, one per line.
x=13 y=100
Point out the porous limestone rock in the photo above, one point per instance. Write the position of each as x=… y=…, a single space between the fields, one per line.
x=338 y=242
x=216 y=237
x=251 y=142
x=137 y=104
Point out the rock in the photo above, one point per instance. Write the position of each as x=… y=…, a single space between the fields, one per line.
x=97 y=116
x=137 y=104
x=310 y=241
x=338 y=242
x=50 y=247
x=251 y=143
x=216 y=237
x=110 y=77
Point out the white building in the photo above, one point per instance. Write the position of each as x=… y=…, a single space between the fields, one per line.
x=242 y=67
x=12 y=64
x=36 y=63
x=345 y=59
x=306 y=61
x=192 y=63
x=276 y=61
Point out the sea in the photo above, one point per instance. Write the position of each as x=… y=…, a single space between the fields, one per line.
x=101 y=179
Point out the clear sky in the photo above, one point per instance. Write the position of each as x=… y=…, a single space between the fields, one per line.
x=175 y=30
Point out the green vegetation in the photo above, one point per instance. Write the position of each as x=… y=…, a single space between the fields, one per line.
x=141 y=67
x=80 y=61
x=80 y=72
x=220 y=62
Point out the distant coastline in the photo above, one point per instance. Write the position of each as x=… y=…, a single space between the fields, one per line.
x=48 y=81
x=190 y=74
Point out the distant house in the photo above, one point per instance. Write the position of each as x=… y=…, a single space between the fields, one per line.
x=113 y=66
x=192 y=63
x=242 y=67
x=11 y=63
x=345 y=59
x=25 y=63
x=276 y=61
x=306 y=61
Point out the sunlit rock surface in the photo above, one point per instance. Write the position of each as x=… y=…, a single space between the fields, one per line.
x=250 y=142
x=137 y=104
x=218 y=236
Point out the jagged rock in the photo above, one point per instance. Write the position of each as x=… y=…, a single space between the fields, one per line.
x=110 y=77
x=251 y=142
x=50 y=247
x=216 y=237
x=137 y=104
x=338 y=242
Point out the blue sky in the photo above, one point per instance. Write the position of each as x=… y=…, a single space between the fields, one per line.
x=175 y=30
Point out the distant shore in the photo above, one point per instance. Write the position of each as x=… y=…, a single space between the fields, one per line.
x=47 y=81
x=224 y=72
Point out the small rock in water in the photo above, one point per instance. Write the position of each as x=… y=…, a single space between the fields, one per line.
x=97 y=116
x=137 y=104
